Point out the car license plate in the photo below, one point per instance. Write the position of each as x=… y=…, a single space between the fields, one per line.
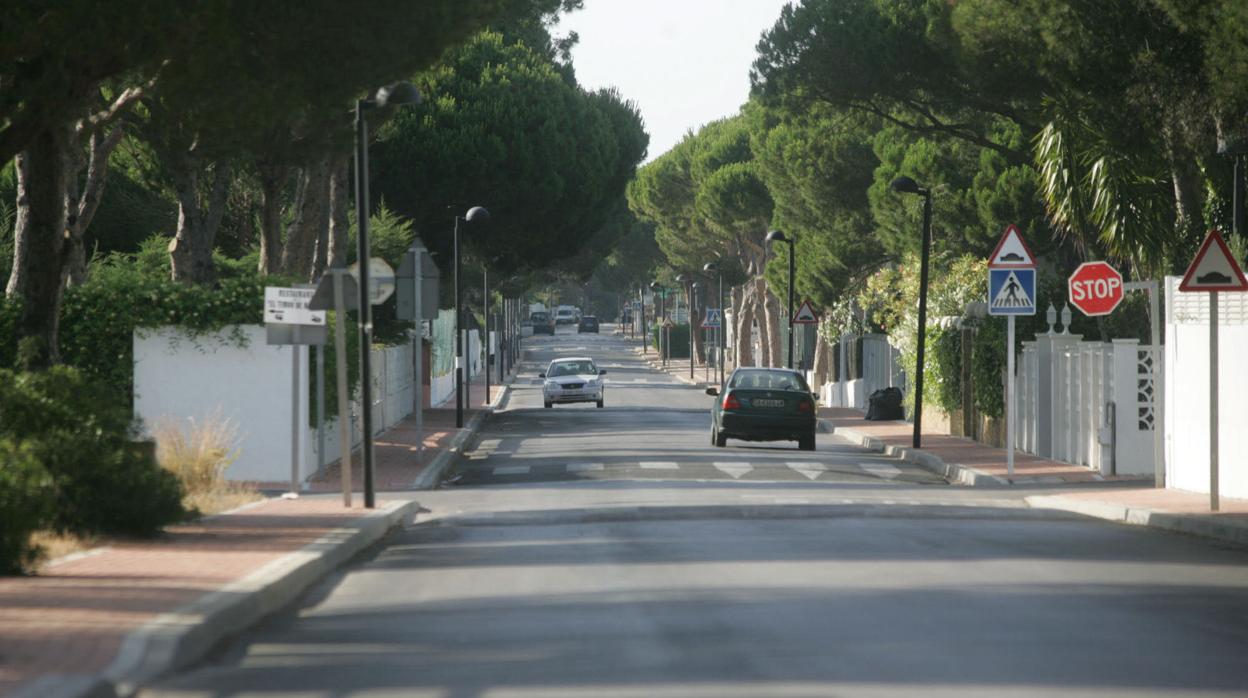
x=763 y=402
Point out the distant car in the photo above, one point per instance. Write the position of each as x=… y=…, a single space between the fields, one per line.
x=565 y=315
x=588 y=323
x=764 y=404
x=576 y=379
x=542 y=324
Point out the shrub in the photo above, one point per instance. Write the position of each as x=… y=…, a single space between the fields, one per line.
x=83 y=435
x=679 y=339
x=946 y=379
x=26 y=501
x=198 y=456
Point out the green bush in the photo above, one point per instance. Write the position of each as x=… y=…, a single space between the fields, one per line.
x=26 y=502
x=944 y=369
x=679 y=338
x=988 y=366
x=84 y=436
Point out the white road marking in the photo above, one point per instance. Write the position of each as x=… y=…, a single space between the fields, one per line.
x=883 y=470
x=658 y=465
x=810 y=470
x=583 y=467
x=489 y=444
x=512 y=470
x=736 y=470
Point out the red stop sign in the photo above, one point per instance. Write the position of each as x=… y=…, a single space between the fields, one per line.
x=1095 y=288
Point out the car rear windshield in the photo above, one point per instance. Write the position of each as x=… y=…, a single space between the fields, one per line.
x=769 y=380
x=539 y=317
x=571 y=368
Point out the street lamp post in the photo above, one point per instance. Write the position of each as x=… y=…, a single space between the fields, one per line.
x=777 y=236
x=660 y=318
x=485 y=275
x=693 y=303
x=905 y=185
x=476 y=213
x=684 y=281
x=397 y=94
x=713 y=267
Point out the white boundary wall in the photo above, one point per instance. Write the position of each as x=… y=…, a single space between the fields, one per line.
x=180 y=378
x=1187 y=391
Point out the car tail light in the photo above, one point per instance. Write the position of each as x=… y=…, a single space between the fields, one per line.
x=731 y=402
x=805 y=406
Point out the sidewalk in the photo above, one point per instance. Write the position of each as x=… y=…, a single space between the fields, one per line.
x=108 y=620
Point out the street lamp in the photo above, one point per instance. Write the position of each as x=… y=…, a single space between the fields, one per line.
x=713 y=267
x=905 y=185
x=476 y=213
x=397 y=94
x=660 y=318
x=777 y=236
x=693 y=302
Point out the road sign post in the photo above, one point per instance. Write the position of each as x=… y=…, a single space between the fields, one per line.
x=289 y=321
x=1011 y=292
x=1214 y=270
x=337 y=290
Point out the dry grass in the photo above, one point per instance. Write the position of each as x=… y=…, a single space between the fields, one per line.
x=198 y=453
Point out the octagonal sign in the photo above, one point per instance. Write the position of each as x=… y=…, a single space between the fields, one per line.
x=1096 y=288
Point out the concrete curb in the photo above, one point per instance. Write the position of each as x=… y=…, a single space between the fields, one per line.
x=954 y=473
x=430 y=477
x=181 y=637
x=1214 y=527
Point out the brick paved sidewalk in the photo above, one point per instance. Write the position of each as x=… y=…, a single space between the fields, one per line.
x=136 y=608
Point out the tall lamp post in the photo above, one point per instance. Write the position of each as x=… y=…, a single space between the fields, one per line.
x=905 y=185
x=683 y=280
x=397 y=94
x=713 y=267
x=476 y=213
x=777 y=236
x=641 y=298
x=660 y=319
x=693 y=304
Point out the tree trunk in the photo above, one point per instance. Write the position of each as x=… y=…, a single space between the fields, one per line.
x=311 y=215
x=771 y=309
x=823 y=355
x=272 y=182
x=190 y=252
x=80 y=207
x=39 y=249
x=339 y=212
x=760 y=318
x=744 y=316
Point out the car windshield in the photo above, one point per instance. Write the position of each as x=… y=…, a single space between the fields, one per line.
x=571 y=368
x=538 y=317
x=769 y=380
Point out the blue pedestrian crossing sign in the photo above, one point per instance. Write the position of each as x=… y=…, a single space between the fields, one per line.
x=1012 y=291
x=712 y=318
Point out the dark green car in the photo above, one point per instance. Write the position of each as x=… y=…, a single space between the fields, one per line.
x=764 y=404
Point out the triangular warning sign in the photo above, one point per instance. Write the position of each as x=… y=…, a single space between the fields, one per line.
x=1012 y=251
x=1013 y=294
x=1214 y=268
x=805 y=315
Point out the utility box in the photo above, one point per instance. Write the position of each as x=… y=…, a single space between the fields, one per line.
x=405 y=284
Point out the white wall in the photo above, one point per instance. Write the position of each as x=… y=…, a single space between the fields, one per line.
x=1187 y=391
x=179 y=378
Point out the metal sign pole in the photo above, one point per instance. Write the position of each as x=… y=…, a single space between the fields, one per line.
x=320 y=407
x=294 y=420
x=1009 y=397
x=418 y=385
x=340 y=358
x=1213 y=401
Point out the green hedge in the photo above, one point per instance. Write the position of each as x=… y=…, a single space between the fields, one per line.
x=84 y=439
x=679 y=338
x=27 y=498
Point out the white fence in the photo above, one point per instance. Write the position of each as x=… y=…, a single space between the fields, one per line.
x=181 y=378
x=1088 y=403
x=879 y=370
x=1187 y=391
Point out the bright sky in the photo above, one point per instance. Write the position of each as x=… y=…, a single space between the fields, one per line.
x=684 y=62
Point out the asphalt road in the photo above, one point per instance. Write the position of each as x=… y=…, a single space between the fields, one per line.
x=846 y=574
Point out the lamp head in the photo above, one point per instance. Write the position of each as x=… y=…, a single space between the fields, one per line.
x=777 y=236
x=477 y=213
x=397 y=94
x=654 y=286
x=682 y=278
x=710 y=267
x=905 y=185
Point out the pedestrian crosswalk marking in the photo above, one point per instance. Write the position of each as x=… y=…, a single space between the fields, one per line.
x=512 y=470
x=882 y=470
x=583 y=467
x=810 y=470
x=659 y=465
x=736 y=470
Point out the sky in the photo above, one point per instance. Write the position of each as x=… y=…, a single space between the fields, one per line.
x=683 y=62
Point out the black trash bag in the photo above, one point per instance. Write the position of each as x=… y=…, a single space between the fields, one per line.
x=885 y=404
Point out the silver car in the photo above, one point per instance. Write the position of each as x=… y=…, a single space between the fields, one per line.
x=576 y=379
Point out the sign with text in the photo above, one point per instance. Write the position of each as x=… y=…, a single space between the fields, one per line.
x=1095 y=288
x=289 y=306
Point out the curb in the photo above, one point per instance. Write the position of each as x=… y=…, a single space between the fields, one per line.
x=430 y=477
x=954 y=473
x=181 y=637
x=1196 y=525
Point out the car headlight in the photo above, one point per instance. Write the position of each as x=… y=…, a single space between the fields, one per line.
x=593 y=383
x=551 y=384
